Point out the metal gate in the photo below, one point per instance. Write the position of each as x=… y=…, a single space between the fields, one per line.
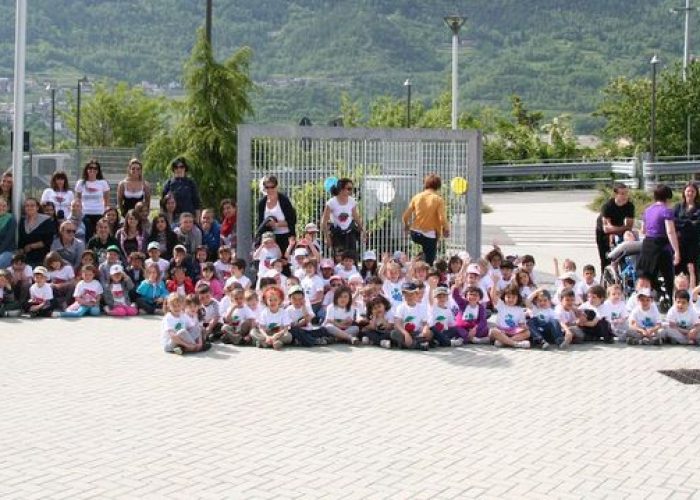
x=387 y=167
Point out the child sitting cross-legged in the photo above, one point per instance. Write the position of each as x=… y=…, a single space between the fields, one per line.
x=544 y=327
x=442 y=320
x=87 y=295
x=272 y=323
x=411 y=330
x=471 y=316
x=178 y=334
x=378 y=330
x=683 y=320
x=151 y=291
x=510 y=330
x=238 y=319
x=592 y=316
x=645 y=321
x=8 y=304
x=340 y=317
x=300 y=317
x=41 y=302
x=117 y=293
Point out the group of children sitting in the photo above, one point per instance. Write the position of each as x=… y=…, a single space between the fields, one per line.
x=303 y=299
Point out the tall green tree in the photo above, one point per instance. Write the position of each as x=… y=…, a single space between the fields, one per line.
x=119 y=116
x=205 y=131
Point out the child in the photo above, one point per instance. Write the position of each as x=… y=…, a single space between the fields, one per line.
x=393 y=283
x=113 y=257
x=88 y=257
x=272 y=324
x=567 y=281
x=209 y=278
x=201 y=257
x=411 y=330
x=510 y=330
x=471 y=318
x=473 y=278
x=586 y=283
x=189 y=234
x=543 y=324
x=151 y=291
x=346 y=269
x=507 y=268
x=267 y=252
x=340 y=317
x=644 y=321
x=313 y=287
x=155 y=258
x=683 y=321
x=20 y=277
x=211 y=321
x=223 y=266
x=238 y=320
x=592 y=320
x=8 y=304
x=237 y=269
x=378 y=331
x=41 y=302
x=135 y=270
x=117 y=294
x=525 y=284
x=368 y=269
x=176 y=337
x=615 y=311
x=180 y=282
x=181 y=259
x=300 y=316
x=567 y=315
x=87 y=295
x=454 y=268
x=527 y=264
x=441 y=320
x=62 y=278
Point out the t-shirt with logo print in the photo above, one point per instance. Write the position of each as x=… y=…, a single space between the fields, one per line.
x=685 y=320
x=341 y=215
x=441 y=318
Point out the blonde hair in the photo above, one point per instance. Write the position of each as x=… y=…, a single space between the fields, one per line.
x=174 y=299
x=613 y=287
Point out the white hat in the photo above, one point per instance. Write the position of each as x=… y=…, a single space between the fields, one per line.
x=311 y=228
x=40 y=270
x=568 y=276
x=474 y=269
x=116 y=269
x=369 y=255
x=644 y=292
x=153 y=245
x=300 y=252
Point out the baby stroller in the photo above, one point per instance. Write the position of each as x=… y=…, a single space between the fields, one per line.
x=623 y=267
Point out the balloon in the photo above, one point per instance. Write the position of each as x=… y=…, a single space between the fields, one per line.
x=385 y=192
x=330 y=183
x=459 y=185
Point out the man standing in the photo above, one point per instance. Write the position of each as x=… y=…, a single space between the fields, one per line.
x=616 y=217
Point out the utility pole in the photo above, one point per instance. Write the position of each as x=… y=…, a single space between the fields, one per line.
x=407 y=84
x=686 y=59
x=208 y=21
x=455 y=23
x=18 y=125
x=652 y=140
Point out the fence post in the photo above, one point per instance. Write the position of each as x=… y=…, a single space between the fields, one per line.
x=474 y=176
x=244 y=200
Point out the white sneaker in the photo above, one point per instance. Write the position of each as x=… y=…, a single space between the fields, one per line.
x=545 y=345
x=354 y=341
x=481 y=340
x=55 y=314
x=386 y=344
x=456 y=342
x=365 y=341
x=498 y=343
x=178 y=350
x=523 y=344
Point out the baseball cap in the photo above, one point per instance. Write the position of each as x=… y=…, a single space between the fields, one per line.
x=113 y=248
x=294 y=289
x=327 y=263
x=335 y=277
x=40 y=270
x=116 y=269
x=409 y=287
x=153 y=245
x=473 y=269
x=568 y=276
x=369 y=255
x=300 y=252
x=268 y=236
x=643 y=292
x=441 y=290
x=180 y=247
x=507 y=264
x=311 y=228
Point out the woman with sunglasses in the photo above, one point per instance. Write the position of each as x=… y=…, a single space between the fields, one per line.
x=341 y=222
x=59 y=193
x=183 y=189
x=67 y=245
x=133 y=189
x=276 y=213
x=36 y=232
x=93 y=192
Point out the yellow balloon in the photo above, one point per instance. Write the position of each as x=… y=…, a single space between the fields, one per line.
x=459 y=185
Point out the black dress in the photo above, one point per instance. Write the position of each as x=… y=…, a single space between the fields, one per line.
x=44 y=231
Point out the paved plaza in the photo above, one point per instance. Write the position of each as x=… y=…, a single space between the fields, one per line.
x=94 y=408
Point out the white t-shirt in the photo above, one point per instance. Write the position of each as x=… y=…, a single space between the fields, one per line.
x=60 y=199
x=564 y=316
x=509 y=316
x=26 y=274
x=171 y=323
x=162 y=264
x=240 y=314
x=267 y=255
x=92 y=196
x=117 y=291
x=412 y=318
x=441 y=319
x=599 y=310
x=63 y=275
x=471 y=313
x=244 y=281
x=39 y=295
x=392 y=291
x=312 y=285
x=223 y=270
x=581 y=289
x=295 y=315
x=211 y=311
x=88 y=291
x=341 y=215
x=271 y=321
x=645 y=319
x=344 y=273
x=336 y=315
x=685 y=320
x=614 y=312
x=278 y=214
x=542 y=314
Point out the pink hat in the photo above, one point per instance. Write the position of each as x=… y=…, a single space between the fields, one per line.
x=327 y=263
x=474 y=269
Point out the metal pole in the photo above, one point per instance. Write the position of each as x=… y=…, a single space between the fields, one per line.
x=18 y=126
x=53 y=119
x=77 y=120
x=407 y=84
x=654 y=62
x=208 y=21
x=455 y=76
x=686 y=60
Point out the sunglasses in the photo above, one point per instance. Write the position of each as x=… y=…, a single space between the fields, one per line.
x=69 y=231
x=271 y=187
x=92 y=168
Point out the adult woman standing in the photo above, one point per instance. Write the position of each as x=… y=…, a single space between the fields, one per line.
x=93 y=192
x=276 y=213
x=67 y=245
x=660 y=250
x=183 y=189
x=8 y=240
x=686 y=215
x=133 y=189
x=341 y=222
x=36 y=233
x=425 y=217
x=60 y=194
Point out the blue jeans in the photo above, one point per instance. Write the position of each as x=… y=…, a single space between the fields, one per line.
x=429 y=246
x=82 y=311
x=548 y=330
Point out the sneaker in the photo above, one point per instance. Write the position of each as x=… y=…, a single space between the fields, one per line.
x=365 y=341
x=214 y=337
x=545 y=345
x=657 y=341
x=564 y=344
x=354 y=341
x=498 y=343
x=277 y=345
x=646 y=341
x=523 y=344
x=632 y=341
x=386 y=344
x=55 y=314
x=260 y=344
x=178 y=350
x=481 y=340
x=321 y=341
x=424 y=346
x=226 y=338
x=457 y=342
x=397 y=337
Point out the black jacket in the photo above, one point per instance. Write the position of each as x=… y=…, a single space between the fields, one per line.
x=290 y=214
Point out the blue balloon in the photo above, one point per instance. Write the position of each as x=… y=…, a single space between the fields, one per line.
x=330 y=183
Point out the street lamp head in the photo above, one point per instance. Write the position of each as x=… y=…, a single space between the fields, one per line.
x=455 y=23
x=655 y=60
x=84 y=79
x=407 y=83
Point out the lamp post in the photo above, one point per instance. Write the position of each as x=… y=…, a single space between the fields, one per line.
x=52 y=91
x=686 y=59
x=77 y=115
x=18 y=124
x=208 y=21
x=407 y=84
x=652 y=141
x=455 y=23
